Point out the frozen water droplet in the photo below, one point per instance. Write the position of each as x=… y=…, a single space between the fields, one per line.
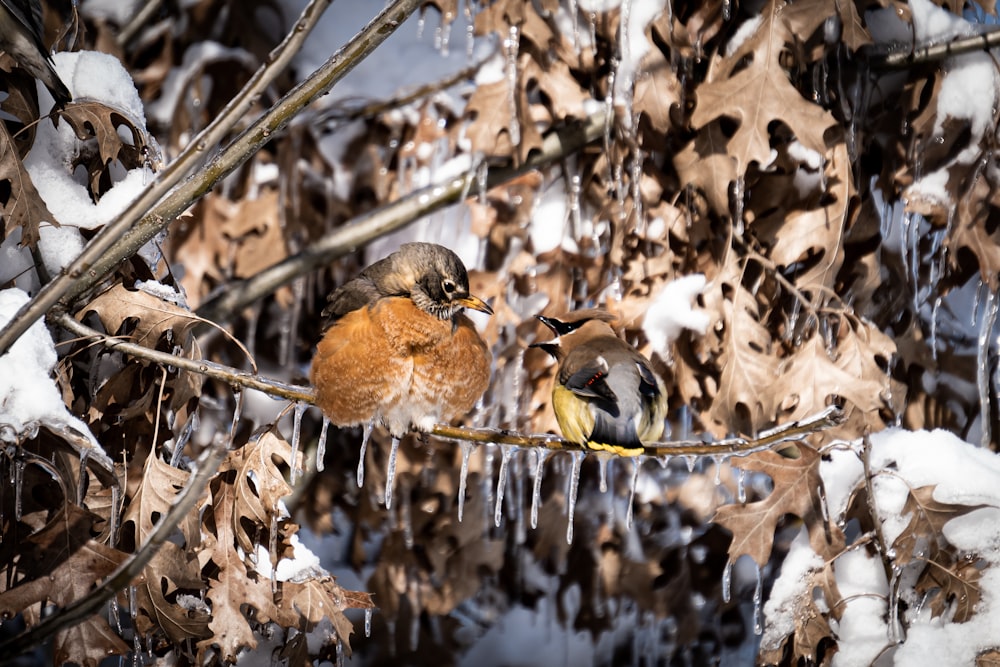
x=990 y=307
x=463 y=477
x=690 y=460
x=511 y=47
x=636 y=466
x=506 y=452
x=727 y=581
x=367 y=433
x=300 y=409
x=758 y=595
x=574 y=485
x=390 y=475
x=603 y=458
x=368 y=621
x=717 y=460
x=536 y=490
x=741 y=486
x=321 y=445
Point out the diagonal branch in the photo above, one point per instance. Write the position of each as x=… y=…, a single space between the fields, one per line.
x=908 y=55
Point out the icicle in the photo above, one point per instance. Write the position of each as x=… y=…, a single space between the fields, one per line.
x=717 y=460
x=823 y=508
x=636 y=465
x=536 y=491
x=636 y=176
x=340 y=653
x=114 y=613
x=602 y=465
x=983 y=364
x=406 y=517
x=511 y=46
x=136 y=650
x=442 y=37
x=364 y=445
x=19 y=487
x=482 y=176
x=895 y=633
x=81 y=488
x=684 y=414
x=368 y=621
x=727 y=581
x=300 y=409
x=321 y=446
x=592 y=23
x=272 y=547
x=935 y=312
x=116 y=503
x=421 y=24
x=133 y=606
x=727 y=10
x=574 y=485
x=977 y=298
x=390 y=475
x=739 y=192
x=741 y=486
x=463 y=477
x=575 y=18
x=758 y=596
x=505 y=453
x=690 y=460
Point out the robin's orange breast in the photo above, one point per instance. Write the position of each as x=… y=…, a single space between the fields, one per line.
x=397 y=363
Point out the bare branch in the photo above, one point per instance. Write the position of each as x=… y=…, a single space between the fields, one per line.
x=907 y=55
x=231 y=376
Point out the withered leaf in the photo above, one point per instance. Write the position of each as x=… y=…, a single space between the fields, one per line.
x=952 y=586
x=757 y=93
x=152 y=316
x=23 y=206
x=798 y=490
x=922 y=535
x=170 y=570
x=158 y=488
x=92 y=640
x=259 y=486
x=94 y=120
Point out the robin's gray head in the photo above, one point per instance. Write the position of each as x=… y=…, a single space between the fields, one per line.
x=437 y=280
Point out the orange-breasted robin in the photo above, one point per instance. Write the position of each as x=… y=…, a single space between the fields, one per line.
x=397 y=346
x=21 y=39
x=606 y=395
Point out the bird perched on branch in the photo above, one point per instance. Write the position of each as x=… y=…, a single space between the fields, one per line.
x=606 y=395
x=21 y=38
x=397 y=346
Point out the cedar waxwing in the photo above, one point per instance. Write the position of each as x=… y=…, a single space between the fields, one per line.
x=21 y=38
x=606 y=395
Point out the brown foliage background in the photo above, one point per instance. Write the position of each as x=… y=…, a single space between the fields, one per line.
x=761 y=160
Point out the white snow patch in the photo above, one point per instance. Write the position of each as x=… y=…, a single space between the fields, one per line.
x=29 y=397
x=672 y=311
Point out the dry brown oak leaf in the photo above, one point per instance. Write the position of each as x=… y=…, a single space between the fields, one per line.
x=751 y=87
x=798 y=490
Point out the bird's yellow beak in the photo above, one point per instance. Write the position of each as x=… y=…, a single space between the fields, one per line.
x=475 y=303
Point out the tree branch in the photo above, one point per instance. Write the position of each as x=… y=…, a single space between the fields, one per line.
x=901 y=57
x=231 y=376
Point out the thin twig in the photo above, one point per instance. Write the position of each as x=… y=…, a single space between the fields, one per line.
x=130 y=568
x=363 y=229
x=231 y=376
x=907 y=56
x=146 y=11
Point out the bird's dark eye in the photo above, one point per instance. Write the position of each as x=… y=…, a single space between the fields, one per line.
x=448 y=286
